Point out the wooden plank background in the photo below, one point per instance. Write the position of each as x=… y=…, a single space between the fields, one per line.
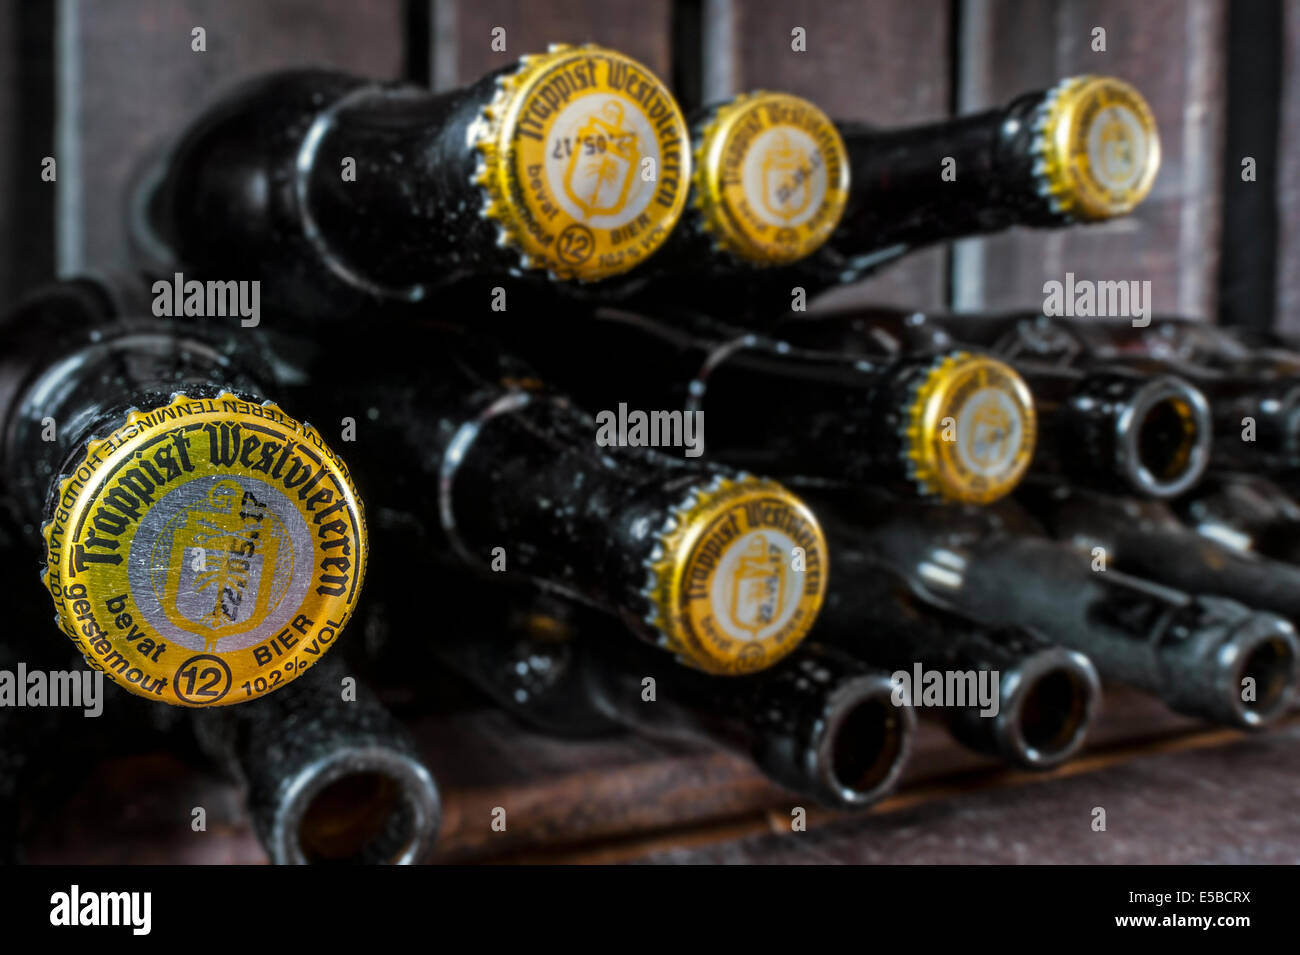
x=462 y=33
x=127 y=77
x=26 y=138
x=884 y=63
x=625 y=798
x=1288 y=185
x=1172 y=50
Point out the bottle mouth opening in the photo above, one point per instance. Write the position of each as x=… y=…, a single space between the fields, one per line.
x=1264 y=681
x=371 y=808
x=866 y=745
x=1167 y=438
x=1050 y=710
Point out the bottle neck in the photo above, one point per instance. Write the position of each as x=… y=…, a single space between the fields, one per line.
x=1022 y=699
x=1115 y=429
x=387 y=192
x=961 y=560
x=1193 y=651
x=1257 y=425
x=810 y=416
x=1151 y=543
x=1247 y=514
x=342 y=190
x=752 y=403
x=925 y=184
x=527 y=467
x=295 y=747
x=91 y=386
x=820 y=724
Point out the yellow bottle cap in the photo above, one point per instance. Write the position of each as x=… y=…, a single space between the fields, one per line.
x=970 y=429
x=585 y=158
x=1098 y=149
x=206 y=552
x=771 y=178
x=738 y=577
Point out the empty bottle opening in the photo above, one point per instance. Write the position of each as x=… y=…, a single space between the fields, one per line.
x=1054 y=712
x=1167 y=438
x=1271 y=665
x=361 y=818
x=866 y=745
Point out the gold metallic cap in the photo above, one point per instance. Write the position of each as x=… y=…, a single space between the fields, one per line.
x=1097 y=148
x=970 y=429
x=771 y=178
x=585 y=161
x=206 y=552
x=738 y=576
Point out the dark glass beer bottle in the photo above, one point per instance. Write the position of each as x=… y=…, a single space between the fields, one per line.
x=818 y=723
x=1047 y=695
x=722 y=568
x=1245 y=512
x=955 y=425
x=336 y=191
x=202 y=547
x=1145 y=538
x=1107 y=425
x=1086 y=150
x=329 y=779
x=1192 y=650
x=1253 y=395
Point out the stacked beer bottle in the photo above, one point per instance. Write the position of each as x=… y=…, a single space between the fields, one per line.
x=612 y=472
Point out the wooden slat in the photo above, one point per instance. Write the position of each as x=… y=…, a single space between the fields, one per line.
x=462 y=40
x=561 y=797
x=26 y=137
x=1200 y=803
x=1288 y=195
x=129 y=79
x=11 y=160
x=1172 y=51
x=885 y=62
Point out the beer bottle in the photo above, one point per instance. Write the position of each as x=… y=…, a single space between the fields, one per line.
x=724 y=569
x=1086 y=150
x=1245 y=512
x=1109 y=426
x=1255 y=423
x=1118 y=429
x=1047 y=695
x=1145 y=538
x=202 y=547
x=770 y=182
x=329 y=779
x=818 y=723
x=1178 y=340
x=1254 y=393
x=955 y=426
x=1254 y=401
x=1190 y=649
x=335 y=191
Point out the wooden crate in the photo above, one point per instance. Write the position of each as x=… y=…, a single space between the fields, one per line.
x=100 y=85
